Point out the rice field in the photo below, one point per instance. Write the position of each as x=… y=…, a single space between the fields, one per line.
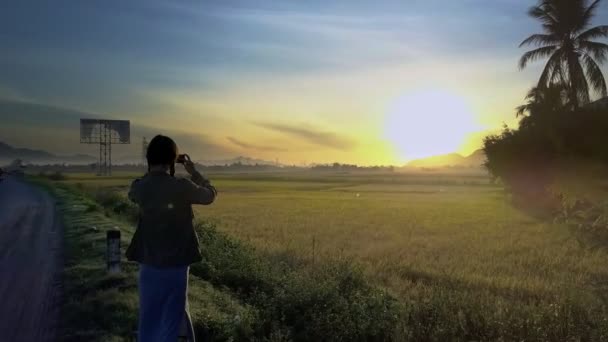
x=456 y=253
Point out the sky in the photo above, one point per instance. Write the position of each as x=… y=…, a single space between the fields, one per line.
x=366 y=82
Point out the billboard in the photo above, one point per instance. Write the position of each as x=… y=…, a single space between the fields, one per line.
x=95 y=131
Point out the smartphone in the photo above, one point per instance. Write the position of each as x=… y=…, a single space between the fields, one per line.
x=182 y=158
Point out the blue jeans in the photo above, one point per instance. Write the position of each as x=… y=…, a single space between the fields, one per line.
x=163 y=303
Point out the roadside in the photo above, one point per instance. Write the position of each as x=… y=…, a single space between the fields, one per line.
x=99 y=306
x=30 y=263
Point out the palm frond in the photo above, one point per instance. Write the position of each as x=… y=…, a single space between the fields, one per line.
x=599 y=51
x=521 y=110
x=533 y=94
x=535 y=54
x=576 y=14
x=540 y=13
x=590 y=11
x=540 y=39
x=577 y=78
x=553 y=71
x=560 y=74
x=595 y=76
x=594 y=33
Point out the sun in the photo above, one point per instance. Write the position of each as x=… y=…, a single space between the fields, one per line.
x=428 y=123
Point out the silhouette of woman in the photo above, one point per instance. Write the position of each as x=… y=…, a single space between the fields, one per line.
x=165 y=243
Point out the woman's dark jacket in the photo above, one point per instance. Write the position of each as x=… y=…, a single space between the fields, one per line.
x=165 y=235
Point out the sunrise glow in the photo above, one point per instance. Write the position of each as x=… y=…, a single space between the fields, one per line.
x=425 y=123
x=377 y=84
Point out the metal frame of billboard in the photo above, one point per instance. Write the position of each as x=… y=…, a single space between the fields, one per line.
x=105 y=133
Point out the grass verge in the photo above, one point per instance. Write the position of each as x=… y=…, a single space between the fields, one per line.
x=102 y=307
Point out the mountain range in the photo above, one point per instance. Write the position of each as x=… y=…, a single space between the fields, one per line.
x=9 y=153
x=238 y=160
x=474 y=160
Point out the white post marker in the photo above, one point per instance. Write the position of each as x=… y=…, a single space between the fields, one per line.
x=113 y=250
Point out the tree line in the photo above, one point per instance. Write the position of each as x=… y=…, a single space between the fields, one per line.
x=558 y=120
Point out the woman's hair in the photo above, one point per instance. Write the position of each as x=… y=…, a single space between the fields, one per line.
x=162 y=150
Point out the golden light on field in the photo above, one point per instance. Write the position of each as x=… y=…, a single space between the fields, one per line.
x=426 y=123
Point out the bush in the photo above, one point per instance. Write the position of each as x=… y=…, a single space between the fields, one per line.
x=54 y=176
x=522 y=161
x=525 y=159
x=116 y=204
x=331 y=302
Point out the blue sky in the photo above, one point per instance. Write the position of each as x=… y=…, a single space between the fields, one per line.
x=227 y=66
x=92 y=52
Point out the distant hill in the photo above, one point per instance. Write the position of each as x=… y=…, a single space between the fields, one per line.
x=475 y=160
x=237 y=160
x=9 y=153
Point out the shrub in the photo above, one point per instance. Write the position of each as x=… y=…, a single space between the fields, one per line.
x=54 y=176
x=330 y=302
x=525 y=159
x=116 y=204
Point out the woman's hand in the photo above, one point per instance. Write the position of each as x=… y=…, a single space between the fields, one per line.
x=189 y=165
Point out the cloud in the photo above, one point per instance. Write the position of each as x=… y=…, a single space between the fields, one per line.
x=249 y=146
x=321 y=138
x=11 y=94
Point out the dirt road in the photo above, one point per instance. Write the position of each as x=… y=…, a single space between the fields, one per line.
x=30 y=263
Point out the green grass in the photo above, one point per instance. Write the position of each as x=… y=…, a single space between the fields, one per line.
x=462 y=262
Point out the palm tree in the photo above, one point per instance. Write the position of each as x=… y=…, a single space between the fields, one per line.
x=573 y=58
x=544 y=100
x=542 y=107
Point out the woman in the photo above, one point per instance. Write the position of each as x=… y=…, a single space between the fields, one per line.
x=165 y=243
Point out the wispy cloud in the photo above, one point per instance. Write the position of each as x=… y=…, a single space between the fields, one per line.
x=9 y=93
x=311 y=135
x=250 y=146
